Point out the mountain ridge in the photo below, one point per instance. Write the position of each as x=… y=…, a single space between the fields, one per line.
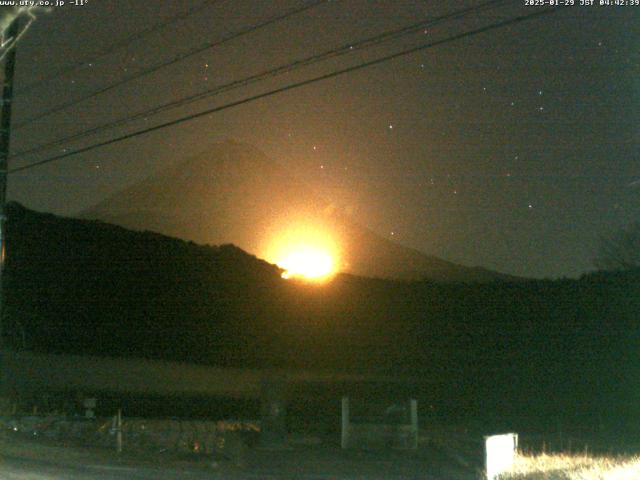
x=235 y=194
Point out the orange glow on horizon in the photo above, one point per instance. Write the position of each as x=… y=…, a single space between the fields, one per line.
x=305 y=252
x=307 y=263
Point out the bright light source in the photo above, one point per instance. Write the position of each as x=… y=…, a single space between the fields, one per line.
x=307 y=263
x=305 y=251
x=500 y=453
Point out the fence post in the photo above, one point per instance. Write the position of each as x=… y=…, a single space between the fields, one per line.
x=345 y=422
x=414 y=422
x=119 y=431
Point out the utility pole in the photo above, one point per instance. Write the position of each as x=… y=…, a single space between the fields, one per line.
x=5 y=136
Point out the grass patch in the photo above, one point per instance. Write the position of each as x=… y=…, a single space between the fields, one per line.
x=574 y=467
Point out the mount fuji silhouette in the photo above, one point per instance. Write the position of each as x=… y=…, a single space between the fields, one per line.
x=235 y=194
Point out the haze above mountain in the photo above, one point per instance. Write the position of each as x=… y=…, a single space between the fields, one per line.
x=235 y=194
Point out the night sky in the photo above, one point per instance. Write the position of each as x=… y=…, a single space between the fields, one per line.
x=514 y=149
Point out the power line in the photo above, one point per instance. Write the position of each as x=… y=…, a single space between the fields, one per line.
x=61 y=72
x=172 y=61
x=282 y=69
x=287 y=68
x=293 y=86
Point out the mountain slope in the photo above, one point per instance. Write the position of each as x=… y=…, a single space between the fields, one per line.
x=235 y=194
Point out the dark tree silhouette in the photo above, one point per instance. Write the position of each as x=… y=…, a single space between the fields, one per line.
x=620 y=250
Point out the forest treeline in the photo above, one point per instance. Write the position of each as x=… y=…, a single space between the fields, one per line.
x=548 y=348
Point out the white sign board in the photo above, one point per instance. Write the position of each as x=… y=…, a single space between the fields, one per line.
x=500 y=452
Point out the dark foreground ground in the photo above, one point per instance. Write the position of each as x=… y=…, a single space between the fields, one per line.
x=452 y=454
x=36 y=459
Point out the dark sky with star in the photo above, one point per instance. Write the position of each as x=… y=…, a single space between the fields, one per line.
x=514 y=149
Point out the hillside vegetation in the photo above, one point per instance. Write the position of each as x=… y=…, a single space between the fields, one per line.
x=565 y=349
